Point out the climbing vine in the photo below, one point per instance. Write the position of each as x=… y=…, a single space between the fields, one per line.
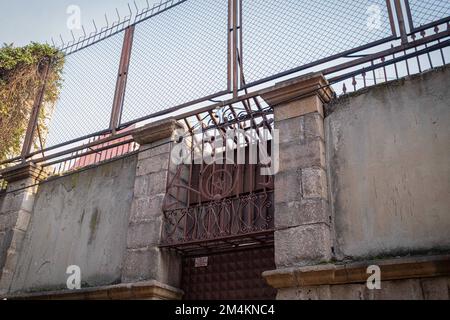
x=22 y=74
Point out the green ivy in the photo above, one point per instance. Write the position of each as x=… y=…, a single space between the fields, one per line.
x=21 y=76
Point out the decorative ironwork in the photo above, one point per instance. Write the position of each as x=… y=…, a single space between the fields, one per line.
x=222 y=201
x=245 y=217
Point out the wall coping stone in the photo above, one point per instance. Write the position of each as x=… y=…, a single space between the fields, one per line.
x=24 y=171
x=356 y=272
x=156 y=131
x=145 y=290
x=298 y=88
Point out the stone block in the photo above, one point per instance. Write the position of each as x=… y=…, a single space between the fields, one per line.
x=144 y=233
x=305 y=293
x=294 y=155
x=5 y=281
x=13 y=201
x=153 y=149
x=146 y=207
x=313 y=126
x=151 y=263
x=137 y=264
x=305 y=211
x=12 y=257
x=302 y=245
x=409 y=289
x=436 y=288
x=8 y=220
x=157 y=182
x=23 y=220
x=349 y=292
x=298 y=108
x=288 y=186
x=27 y=201
x=299 y=88
x=158 y=131
x=301 y=129
x=17 y=239
x=152 y=165
x=141 y=186
x=314 y=183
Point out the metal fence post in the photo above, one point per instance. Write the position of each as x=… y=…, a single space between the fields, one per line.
x=34 y=116
x=233 y=47
x=401 y=21
x=124 y=64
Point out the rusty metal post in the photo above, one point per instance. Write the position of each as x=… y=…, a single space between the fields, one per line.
x=34 y=117
x=234 y=47
x=121 y=79
x=401 y=21
x=241 y=53
x=409 y=15
x=229 y=41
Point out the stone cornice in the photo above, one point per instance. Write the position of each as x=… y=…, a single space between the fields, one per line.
x=156 y=131
x=24 y=171
x=331 y=274
x=301 y=87
x=147 y=290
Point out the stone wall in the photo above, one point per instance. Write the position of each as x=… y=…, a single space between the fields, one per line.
x=3 y=233
x=405 y=289
x=388 y=151
x=80 y=219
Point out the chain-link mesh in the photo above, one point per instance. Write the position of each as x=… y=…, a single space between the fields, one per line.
x=284 y=34
x=424 y=12
x=87 y=94
x=178 y=56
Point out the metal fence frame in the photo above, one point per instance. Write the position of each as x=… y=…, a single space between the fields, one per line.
x=414 y=28
x=236 y=88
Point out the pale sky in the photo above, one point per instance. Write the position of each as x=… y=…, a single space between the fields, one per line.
x=23 y=21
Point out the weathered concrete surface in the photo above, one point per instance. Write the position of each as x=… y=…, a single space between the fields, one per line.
x=81 y=219
x=409 y=289
x=388 y=152
x=3 y=234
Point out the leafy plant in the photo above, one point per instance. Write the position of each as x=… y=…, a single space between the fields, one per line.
x=22 y=74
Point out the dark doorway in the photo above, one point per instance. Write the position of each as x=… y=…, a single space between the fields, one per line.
x=229 y=275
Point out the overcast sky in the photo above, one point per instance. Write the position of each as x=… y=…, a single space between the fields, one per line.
x=23 y=21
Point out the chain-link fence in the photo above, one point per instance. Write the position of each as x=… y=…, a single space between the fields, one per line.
x=87 y=93
x=183 y=53
x=423 y=12
x=178 y=56
x=282 y=35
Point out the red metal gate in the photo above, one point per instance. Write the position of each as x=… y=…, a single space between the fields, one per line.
x=233 y=275
x=218 y=208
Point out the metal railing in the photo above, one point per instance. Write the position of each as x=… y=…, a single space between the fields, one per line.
x=181 y=58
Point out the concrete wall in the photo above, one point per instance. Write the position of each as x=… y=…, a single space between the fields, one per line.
x=81 y=219
x=405 y=289
x=388 y=154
